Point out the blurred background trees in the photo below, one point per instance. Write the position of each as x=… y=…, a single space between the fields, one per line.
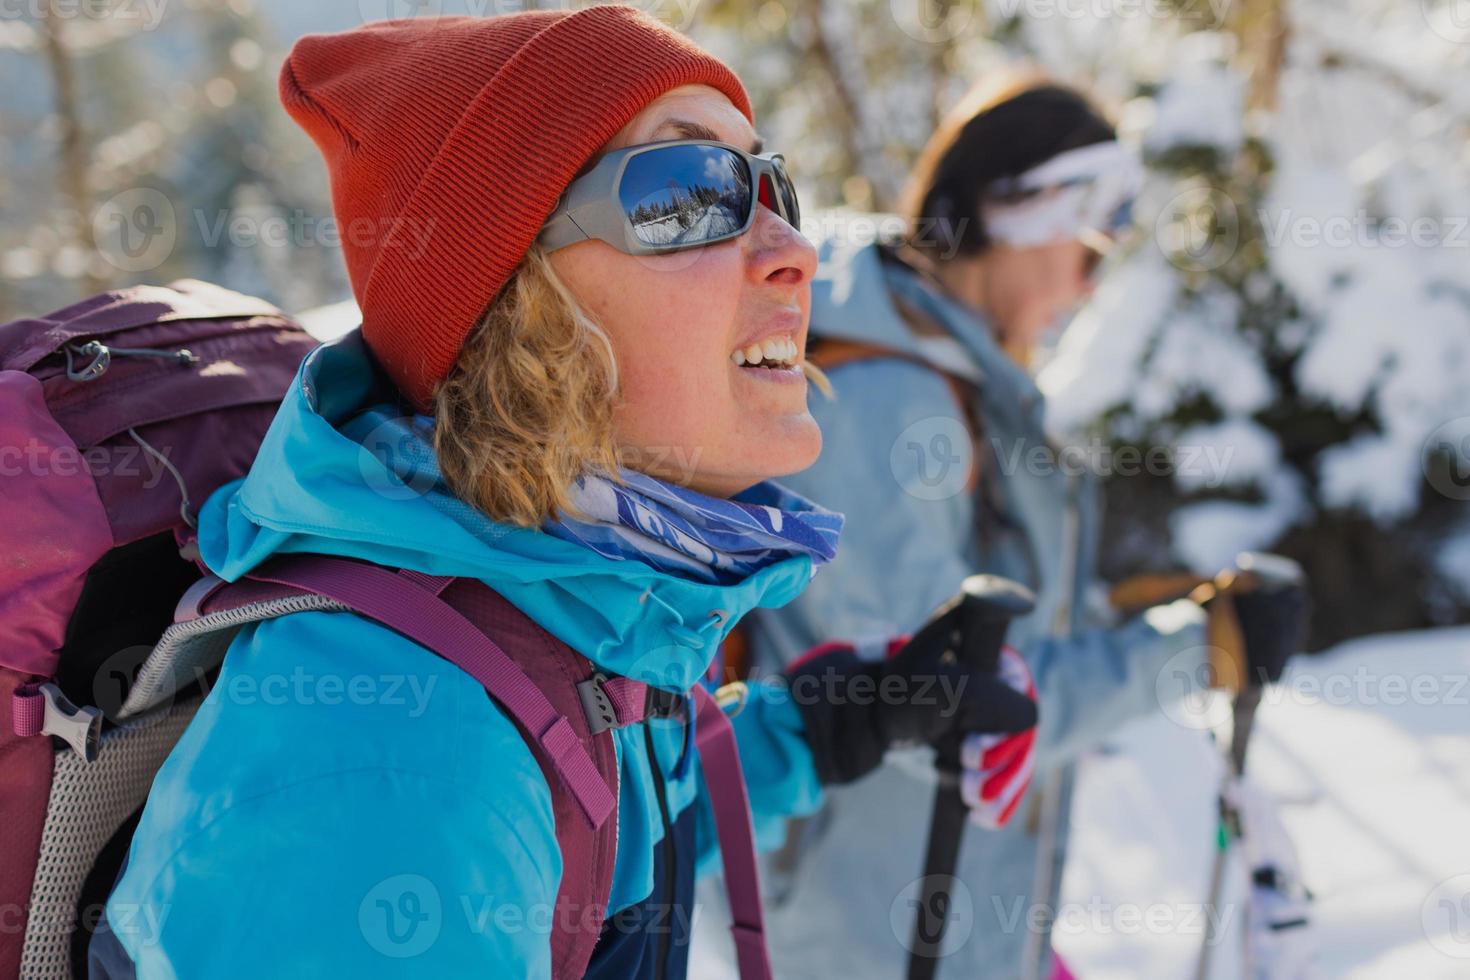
x=1290 y=324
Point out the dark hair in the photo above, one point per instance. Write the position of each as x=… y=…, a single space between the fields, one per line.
x=998 y=132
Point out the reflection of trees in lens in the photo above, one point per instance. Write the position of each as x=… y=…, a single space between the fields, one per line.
x=695 y=210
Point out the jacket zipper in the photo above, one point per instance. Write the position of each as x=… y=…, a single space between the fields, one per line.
x=661 y=792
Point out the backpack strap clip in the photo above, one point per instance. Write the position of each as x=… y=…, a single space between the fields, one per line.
x=41 y=709
x=617 y=702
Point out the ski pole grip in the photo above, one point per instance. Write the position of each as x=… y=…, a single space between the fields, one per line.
x=991 y=602
x=988 y=604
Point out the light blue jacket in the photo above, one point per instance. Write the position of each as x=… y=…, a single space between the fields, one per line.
x=896 y=451
x=346 y=803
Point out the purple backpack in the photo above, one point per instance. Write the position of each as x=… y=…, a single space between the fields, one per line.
x=122 y=414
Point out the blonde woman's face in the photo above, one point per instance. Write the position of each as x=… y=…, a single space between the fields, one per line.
x=686 y=410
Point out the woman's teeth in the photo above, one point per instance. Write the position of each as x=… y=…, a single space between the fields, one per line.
x=778 y=351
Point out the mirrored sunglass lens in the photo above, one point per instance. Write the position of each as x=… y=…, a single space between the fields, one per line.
x=685 y=195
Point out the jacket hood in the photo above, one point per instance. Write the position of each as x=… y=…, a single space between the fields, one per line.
x=335 y=475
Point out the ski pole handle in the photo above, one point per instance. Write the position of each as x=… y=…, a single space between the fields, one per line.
x=989 y=603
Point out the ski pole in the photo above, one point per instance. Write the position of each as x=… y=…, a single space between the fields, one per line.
x=1252 y=570
x=1243 y=713
x=989 y=604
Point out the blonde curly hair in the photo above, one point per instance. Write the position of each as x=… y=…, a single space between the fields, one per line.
x=528 y=407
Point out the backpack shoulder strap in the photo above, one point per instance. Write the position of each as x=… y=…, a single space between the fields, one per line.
x=719 y=756
x=544 y=685
x=540 y=682
x=410 y=603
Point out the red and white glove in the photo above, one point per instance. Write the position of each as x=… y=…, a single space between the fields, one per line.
x=997 y=768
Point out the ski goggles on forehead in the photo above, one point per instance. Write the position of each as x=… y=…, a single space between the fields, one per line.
x=670 y=196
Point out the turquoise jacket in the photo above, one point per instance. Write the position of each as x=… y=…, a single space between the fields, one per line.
x=337 y=769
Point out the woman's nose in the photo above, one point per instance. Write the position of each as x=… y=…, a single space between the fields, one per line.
x=777 y=253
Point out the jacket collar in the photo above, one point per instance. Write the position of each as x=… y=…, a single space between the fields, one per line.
x=313 y=488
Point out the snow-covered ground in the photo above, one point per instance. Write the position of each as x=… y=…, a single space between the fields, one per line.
x=1367 y=750
x=715 y=221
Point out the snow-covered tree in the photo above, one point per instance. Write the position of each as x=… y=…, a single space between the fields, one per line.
x=1296 y=325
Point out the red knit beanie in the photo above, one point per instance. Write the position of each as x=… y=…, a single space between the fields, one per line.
x=449 y=140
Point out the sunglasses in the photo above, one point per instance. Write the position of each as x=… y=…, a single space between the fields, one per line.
x=1101 y=242
x=669 y=196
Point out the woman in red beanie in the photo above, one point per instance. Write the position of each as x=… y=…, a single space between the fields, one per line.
x=585 y=304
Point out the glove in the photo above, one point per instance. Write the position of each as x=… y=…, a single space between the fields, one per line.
x=1258 y=619
x=1273 y=626
x=855 y=709
x=997 y=768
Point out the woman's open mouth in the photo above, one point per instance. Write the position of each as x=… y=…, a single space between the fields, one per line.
x=774 y=355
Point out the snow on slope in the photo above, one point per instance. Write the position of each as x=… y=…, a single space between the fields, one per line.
x=1368 y=750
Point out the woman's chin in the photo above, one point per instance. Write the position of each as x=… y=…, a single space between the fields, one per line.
x=788 y=445
x=778 y=448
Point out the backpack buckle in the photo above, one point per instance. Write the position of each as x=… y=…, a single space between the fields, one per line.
x=41 y=709
x=596 y=704
x=610 y=702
